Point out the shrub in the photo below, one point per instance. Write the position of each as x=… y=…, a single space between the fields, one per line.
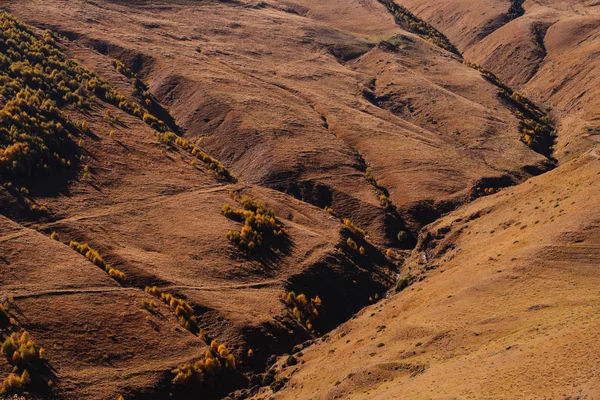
x=21 y=351
x=211 y=163
x=486 y=191
x=405 y=282
x=402 y=236
x=418 y=26
x=15 y=382
x=260 y=223
x=207 y=371
x=305 y=311
x=329 y=210
x=54 y=236
x=536 y=129
x=97 y=259
x=383 y=193
x=516 y=9
x=183 y=311
x=352 y=244
x=149 y=305
x=354 y=229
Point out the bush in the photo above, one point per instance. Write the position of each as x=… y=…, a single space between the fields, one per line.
x=211 y=163
x=208 y=371
x=260 y=223
x=303 y=310
x=97 y=259
x=403 y=237
x=418 y=26
x=352 y=244
x=354 y=229
x=536 y=129
x=21 y=351
x=15 y=382
x=183 y=311
x=404 y=282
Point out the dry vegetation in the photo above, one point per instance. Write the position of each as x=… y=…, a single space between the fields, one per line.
x=36 y=80
x=536 y=128
x=211 y=163
x=261 y=227
x=41 y=88
x=383 y=194
x=97 y=259
x=516 y=9
x=209 y=372
x=21 y=352
x=302 y=309
x=183 y=311
x=412 y=23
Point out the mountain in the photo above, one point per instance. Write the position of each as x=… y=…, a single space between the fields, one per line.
x=298 y=199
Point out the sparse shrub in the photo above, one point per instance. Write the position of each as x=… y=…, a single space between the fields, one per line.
x=54 y=236
x=304 y=310
x=352 y=244
x=260 y=223
x=154 y=122
x=149 y=305
x=354 y=229
x=97 y=259
x=418 y=26
x=402 y=237
x=536 y=129
x=211 y=163
x=290 y=361
x=486 y=191
x=516 y=9
x=383 y=193
x=21 y=350
x=208 y=371
x=15 y=382
x=182 y=310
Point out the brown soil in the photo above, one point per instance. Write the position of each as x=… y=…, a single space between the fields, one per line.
x=300 y=100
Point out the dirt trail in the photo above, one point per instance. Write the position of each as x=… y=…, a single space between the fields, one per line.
x=24 y=293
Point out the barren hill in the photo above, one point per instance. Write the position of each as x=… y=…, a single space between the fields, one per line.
x=193 y=189
x=547 y=49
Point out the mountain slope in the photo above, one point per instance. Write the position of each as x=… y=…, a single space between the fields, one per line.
x=549 y=52
x=216 y=155
x=307 y=107
x=504 y=305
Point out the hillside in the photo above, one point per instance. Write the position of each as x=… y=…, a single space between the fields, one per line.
x=193 y=191
x=504 y=304
x=547 y=49
x=498 y=299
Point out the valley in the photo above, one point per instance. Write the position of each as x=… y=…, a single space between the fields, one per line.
x=307 y=200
